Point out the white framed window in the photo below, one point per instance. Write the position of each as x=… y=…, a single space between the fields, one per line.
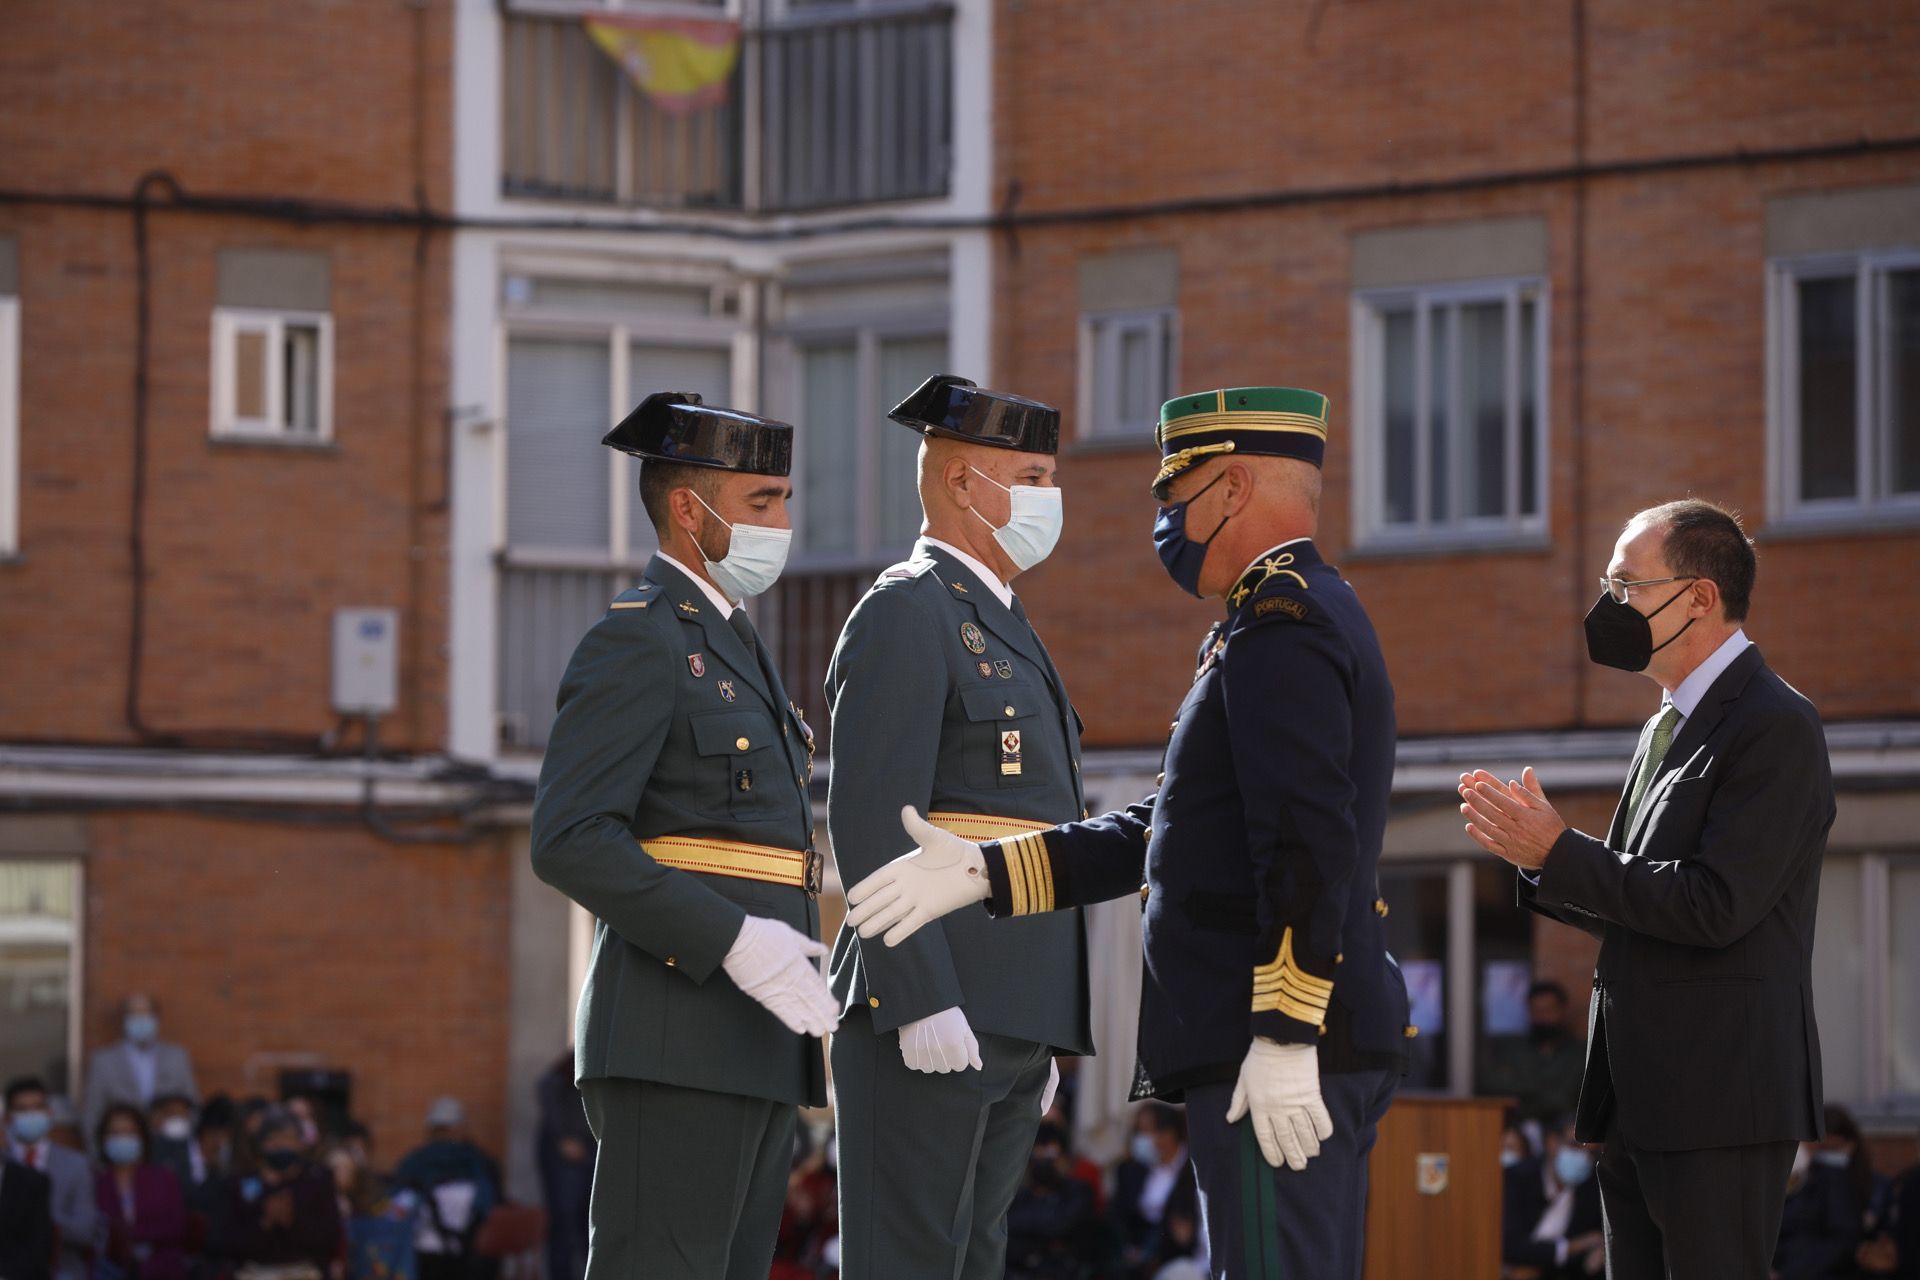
x=273 y=374
x=857 y=501
x=570 y=532
x=1128 y=360
x=1450 y=389
x=9 y=424
x=1845 y=386
x=1866 y=981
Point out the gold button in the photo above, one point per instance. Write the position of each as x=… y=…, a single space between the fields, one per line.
x=673 y=962
x=1010 y=710
x=1323 y=1028
x=1340 y=957
x=1410 y=1032
x=1173 y=726
x=741 y=744
x=1159 y=779
x=874 y=1001
x=1380 y=907
x=1085 y=814
x=1145 y=889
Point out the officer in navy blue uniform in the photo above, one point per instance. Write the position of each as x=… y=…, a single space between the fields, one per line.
x=1269 y=1002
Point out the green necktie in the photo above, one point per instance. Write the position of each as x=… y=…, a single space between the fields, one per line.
x=1656 y=752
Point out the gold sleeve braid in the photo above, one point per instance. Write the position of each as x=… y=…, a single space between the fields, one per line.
x=1284 y=986
x=1029 y=873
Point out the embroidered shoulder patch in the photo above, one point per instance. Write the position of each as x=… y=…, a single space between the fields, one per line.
x=1295 y=609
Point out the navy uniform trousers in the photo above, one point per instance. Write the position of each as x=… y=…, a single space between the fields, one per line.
x=1264 y=1223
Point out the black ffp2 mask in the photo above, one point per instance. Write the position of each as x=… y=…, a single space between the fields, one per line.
x=1619 y=635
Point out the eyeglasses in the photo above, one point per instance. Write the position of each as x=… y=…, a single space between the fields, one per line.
x=1620 y=590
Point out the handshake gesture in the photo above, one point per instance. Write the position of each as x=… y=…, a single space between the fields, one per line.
x=1279 y=1084
x=944 y=874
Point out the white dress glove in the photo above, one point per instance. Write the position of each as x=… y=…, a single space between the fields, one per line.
x=1053 y=1086
x=944 y=874
x=940 y=1043
x=775 y=964
x=1280 y=1087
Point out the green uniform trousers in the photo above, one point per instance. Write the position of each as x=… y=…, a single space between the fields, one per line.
x=688 y=1185
x=929 y=1163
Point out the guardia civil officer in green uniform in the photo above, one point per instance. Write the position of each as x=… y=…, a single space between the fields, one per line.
x=1269 y=1002
x=945 y=702
x=673 y=806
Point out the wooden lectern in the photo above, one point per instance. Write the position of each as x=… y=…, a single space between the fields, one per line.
x=1433 y=1198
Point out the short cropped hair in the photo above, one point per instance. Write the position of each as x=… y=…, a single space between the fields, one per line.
x=1704 y=540
x=658 y=478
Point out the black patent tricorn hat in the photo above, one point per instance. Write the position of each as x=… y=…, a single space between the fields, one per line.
x=946 y=405
x=674 y=426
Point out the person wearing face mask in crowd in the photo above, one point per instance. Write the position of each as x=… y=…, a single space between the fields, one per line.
x=948 y=705
x=174 y=1148
x=673 y=805
x=140 y=1203
x=1054 y=1231
x=1269 y=1002
x=1551 y=1224
x=1703 y=1062
x=282 y=1220
x=1820 y=1221
x=137 y=1069
x=1542 y=1072
x=1153 y=1190
x=29 y=1142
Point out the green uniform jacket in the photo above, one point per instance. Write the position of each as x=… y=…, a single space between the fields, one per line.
x=669 y=727
x=944 y=699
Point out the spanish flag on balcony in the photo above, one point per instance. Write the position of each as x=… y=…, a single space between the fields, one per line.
x=681 y=64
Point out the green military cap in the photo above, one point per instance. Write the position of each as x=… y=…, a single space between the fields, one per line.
x=1284 y=422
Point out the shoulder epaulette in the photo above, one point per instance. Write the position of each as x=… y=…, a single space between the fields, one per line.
x=638 y=597
x=905 y=571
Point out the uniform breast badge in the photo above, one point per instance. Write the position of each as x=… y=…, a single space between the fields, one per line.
x=744 y=779
x=986 y=670
x=726 y=690
x=1004 y=667
x=971 y=636
x=1010 y=753
x=697 y=663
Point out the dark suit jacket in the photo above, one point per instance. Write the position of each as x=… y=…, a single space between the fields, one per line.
x=1701 y=1031
x=26 y=1223
x=1525 y=1200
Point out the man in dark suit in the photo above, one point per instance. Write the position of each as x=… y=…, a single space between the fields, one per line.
x=1703 y=1062
x=26 y=1222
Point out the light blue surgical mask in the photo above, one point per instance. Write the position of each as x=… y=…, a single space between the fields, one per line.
x=754 y=558
x=1144 y=1150
x=28 y=1127
x=1833 y=1159
x=1509 y=1157
x=123 y=1148
x=1572 y=1166
x=141 y=1028
x=1033 y=529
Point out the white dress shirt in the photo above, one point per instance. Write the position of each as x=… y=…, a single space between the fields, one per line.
x=988 y=578
x=1687 y=697
x=720 y=601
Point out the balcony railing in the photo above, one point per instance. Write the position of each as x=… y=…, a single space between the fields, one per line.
x=828 y=109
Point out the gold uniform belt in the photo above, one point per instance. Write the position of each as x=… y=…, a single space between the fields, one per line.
x=795 y=868
x=982 y=827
